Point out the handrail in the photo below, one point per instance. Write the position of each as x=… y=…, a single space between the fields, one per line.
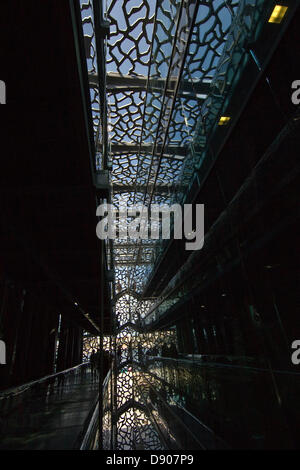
x=198 y=362
x=22 y=388
x=182 y=424
x=89 y=436
x=13 y=399
x=222 y=412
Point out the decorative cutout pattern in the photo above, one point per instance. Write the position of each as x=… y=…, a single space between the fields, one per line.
x=135 y=431
x=130 y=36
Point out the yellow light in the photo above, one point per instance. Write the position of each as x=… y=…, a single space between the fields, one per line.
x=277 y=14
x=224 y=120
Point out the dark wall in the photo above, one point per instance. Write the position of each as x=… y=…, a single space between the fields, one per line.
x=29 y=326
x=29 y=329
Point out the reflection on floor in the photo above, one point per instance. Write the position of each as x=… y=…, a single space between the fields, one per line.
x=51 y=421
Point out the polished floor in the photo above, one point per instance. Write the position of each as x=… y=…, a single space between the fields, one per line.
x=54 y=420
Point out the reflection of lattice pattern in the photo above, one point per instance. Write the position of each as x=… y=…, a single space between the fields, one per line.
x=87 y=16
x=212 y=25
x=181 y=381
x=106 y=430
x=221 y=58
x=156 y=386
x=157 y=340
x=135 y=432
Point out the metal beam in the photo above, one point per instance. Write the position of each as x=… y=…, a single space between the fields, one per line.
x=133 y=245
x=115 y=83
x=134 y=263
x=175 y=152
x=159 y=188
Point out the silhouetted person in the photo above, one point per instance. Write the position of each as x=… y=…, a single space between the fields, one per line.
x=140 y=352
x=93 y=359
x=119 y=355
x=106 y=363
x=97 y=362
x=129 y=351
x=165 y=351
x=173 y=351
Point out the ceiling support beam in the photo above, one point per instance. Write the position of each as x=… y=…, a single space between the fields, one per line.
x=116 y=83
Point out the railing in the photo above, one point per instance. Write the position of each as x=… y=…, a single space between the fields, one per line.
x=176 y=426
x=241 y=400
x=13 y=399
x=90 y=439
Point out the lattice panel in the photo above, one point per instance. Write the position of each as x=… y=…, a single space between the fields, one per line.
x=124 y=386
x=168 y=175
x=163 y=39
x=135 y=432
x=152 y=112
x=87 y=16
x=126 y=308
x=126 y=115
x=93 y=342
x=130 y=35
x=157 y=340
x=124 y=278
x=144 y=307
x=106 y=430
x=124 y=171
x=208 y=38
x=184 y=119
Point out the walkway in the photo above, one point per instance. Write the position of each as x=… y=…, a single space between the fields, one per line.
x=50 y=421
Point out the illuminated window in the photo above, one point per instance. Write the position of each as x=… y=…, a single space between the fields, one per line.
x=278 y=14
x=224 y=120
